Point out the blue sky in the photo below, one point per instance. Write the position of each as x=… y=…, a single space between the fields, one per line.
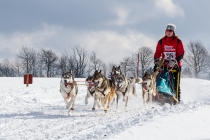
x=112 y=29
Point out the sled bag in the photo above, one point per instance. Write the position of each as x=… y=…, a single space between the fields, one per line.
x=165 y=83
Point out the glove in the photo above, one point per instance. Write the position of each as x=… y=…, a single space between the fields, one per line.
x=179 y=58
x=171 y=63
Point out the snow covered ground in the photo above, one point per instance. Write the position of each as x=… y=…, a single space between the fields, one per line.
x=38 y=112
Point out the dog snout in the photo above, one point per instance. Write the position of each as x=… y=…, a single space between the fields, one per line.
x=65 y=81
x=144 y=84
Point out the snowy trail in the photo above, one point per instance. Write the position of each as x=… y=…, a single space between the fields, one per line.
x=192 y=124
x=38 y=112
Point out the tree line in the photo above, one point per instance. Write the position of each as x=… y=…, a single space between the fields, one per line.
x=46 y=63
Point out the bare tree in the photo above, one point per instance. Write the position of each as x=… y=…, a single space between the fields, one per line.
x=28 y=58
x=63 y=63
x=186 y=73
x=55 y=71
x=78 y=61
x=95 y=63
x=17 y=67
x=49 y=58
x=197 y=57
x=7 y=69
x=126 y=65
x=146 y=59
x=104 y=69
x=1 y=70
x=40 y=68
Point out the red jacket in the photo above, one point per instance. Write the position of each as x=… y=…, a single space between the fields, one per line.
x=170 y=47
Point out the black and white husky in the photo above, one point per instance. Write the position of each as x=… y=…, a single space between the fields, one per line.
x=90 y=88
x=68 y=89
x=115 y=72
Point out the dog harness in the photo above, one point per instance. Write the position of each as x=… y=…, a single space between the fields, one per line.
x=91 y=92
x=124 y=91
x=71 y=84
x=101 y=91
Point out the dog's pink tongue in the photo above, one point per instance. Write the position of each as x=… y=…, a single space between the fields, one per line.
x=91 y=84
x=117 y=88
x=70 y=84
x=145 y=86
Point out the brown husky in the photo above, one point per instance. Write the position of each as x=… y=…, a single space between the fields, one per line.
x=148 y=88
x=104 y=90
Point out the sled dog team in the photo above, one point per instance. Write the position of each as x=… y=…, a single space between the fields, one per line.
x=106 y=91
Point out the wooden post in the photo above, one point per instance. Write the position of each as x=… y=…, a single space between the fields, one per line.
x=27 y=79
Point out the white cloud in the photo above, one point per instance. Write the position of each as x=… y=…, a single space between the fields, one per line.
x=34 y=39
x=109 y=46
x=137 y=12
x=122 y=15
x=170 y=8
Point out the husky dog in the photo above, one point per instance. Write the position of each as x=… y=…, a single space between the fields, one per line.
x=115 y=72
x=148 y=88
x=104 y=91
x=90 y=88
x=125 y=87
x=68 y=89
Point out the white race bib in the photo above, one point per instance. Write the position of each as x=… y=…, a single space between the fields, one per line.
x=170 y=55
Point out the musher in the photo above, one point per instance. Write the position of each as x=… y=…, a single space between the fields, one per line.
x=170 y=47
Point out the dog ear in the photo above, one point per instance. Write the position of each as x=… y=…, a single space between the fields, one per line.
x=64 y=71
x=100 y=71
x=70 y=71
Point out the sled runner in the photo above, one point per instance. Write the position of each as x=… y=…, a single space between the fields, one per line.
x=167 y=83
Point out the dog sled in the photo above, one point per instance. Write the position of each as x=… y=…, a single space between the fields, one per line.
x=167 y=82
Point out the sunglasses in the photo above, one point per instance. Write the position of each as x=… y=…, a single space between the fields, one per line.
x=169 y=30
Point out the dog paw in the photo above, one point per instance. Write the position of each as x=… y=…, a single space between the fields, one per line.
x=93 y=109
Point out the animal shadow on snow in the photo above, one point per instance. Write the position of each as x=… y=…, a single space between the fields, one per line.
x=44 y=113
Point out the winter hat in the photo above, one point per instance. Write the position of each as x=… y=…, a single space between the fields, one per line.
x=171 y=27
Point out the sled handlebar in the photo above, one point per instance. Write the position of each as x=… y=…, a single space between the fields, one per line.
x=171 y=64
